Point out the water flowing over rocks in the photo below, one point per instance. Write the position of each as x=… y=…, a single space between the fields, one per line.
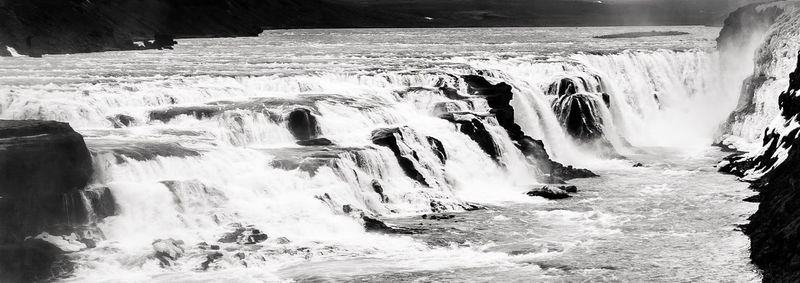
x=499 y=97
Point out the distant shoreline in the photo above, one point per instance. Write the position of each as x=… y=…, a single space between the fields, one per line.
x=641 y=34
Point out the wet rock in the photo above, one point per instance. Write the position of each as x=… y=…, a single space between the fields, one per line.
x=122 y=120
x=392 y=138
x=475 y=129
x=163 y=41
x=437 y=206
x=244 y=236
x=549 y=192
x=167 y=251
x=372 y=224
x=33 y=260
x=44 y=165
x=637 y=165
x=101 y=202
x=580 y=116
x=438 y=149
x=211 y=257
x=569 y=189
x=316 y=142
x=378 y=188
x=438 y=217
x=302 y=124
x=565 y=86
x=533 y=149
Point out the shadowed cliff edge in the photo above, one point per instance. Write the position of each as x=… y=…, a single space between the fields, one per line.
x=774 y=229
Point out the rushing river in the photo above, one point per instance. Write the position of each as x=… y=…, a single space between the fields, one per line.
x=193 y=143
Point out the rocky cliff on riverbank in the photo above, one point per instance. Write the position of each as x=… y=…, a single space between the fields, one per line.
x=44 y=168
x=774 y=229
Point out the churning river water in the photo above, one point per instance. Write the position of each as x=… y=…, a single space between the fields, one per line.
x=196 y=177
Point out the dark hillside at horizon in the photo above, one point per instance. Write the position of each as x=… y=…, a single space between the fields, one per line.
x=452 y=13
x=68 y=26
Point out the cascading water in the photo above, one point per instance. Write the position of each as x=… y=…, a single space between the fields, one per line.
x=307 y=150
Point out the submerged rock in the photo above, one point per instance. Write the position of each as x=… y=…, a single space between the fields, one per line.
x=316 y=142
x=372 y=224
x=244 y=236
x=167 y=251
x=552 y=192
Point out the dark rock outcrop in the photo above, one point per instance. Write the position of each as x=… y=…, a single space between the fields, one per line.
x=316 y=142
x=32 y=261
x=499 y=99
x=302 y=124
x=580 y=117
x=243 y=236
x=553 y=192
x=393 y=138
x=44 y=165
x=475 y=129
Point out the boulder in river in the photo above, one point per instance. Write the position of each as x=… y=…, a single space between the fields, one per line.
x=552 y=192
x=302 y=124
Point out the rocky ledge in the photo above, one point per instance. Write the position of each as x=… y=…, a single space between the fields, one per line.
x=44 y=167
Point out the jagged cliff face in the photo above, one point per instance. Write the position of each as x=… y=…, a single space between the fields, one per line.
x=774 y=167
x=760 y=40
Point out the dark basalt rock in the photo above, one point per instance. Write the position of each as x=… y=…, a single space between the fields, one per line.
x=316 y=142
x=391 y=138
x=472 y=126
x=102 y=202
x=378 y=188
x=551 y=193
x=372 y=224
x=32 y=261
x=438 y=149
x=579 y=116
x=243 y=236
x=533 y=149
x=122 y=120
x=211 y=257
x=302 y=124
x=563 y=87
x=44 y=165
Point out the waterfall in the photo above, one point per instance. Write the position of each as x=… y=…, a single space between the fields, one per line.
x=194 y=158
